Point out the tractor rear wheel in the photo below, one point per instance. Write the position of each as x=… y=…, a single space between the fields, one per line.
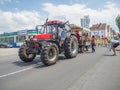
x=49 y=54
x=24 y=55
x=71 y=47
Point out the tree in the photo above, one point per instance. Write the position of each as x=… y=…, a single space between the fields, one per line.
x=118 y=21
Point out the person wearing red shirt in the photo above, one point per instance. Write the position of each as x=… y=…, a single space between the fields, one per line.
x=93 y=44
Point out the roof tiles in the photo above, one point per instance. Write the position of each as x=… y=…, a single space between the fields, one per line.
x=101 y=26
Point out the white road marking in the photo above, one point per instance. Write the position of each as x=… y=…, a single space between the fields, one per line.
x=5 y=75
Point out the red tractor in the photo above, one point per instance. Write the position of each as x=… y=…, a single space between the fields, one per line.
x=54 y=37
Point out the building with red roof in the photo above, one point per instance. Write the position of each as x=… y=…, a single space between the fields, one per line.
x=102 y=30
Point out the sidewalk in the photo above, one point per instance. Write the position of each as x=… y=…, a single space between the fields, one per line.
x=105 y=75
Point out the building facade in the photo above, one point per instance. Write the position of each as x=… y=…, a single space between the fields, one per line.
x=16 y=39
x=102 y=30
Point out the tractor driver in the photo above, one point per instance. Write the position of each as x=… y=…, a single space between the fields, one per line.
x=62 y=34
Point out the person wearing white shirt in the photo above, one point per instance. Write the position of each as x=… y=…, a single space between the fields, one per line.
x=113 y=44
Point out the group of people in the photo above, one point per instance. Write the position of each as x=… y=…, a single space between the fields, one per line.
x=85 y=42
x=102 y=42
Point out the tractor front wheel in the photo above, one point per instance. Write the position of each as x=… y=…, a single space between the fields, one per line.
x=24 y=55
x=49 y=54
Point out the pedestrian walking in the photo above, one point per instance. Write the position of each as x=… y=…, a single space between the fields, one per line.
x=113 y=44
x=93 y=44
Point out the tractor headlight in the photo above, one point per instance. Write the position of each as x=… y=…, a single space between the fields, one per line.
x=53 y=36
x=32 y=37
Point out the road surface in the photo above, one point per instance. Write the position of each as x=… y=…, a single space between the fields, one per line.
x=88 y=71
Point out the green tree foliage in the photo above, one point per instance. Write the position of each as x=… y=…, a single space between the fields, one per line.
x=118 y=21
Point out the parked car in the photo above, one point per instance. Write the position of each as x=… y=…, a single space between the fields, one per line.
x=3 y=45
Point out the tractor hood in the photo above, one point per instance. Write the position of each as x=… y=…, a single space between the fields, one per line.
x=43 y=36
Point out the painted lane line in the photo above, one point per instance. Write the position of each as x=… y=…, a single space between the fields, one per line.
x=16 y=72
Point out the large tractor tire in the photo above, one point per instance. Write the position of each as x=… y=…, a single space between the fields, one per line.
x=49 y=54
x=24 y=55
x=71 y=47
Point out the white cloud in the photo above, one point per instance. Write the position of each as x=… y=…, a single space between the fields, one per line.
x=18 y=21
x=74 y=12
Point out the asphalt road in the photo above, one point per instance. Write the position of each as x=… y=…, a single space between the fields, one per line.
x=88 y=71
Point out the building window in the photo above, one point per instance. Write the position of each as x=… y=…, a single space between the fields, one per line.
x=20 y=38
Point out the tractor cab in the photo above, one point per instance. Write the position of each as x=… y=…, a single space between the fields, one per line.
x=51 y=29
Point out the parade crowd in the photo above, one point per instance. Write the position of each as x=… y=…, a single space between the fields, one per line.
x=86 y=42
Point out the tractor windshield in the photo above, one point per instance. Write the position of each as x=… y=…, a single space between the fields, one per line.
x=46 y=29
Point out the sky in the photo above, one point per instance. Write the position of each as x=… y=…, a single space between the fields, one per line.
x=26 y=14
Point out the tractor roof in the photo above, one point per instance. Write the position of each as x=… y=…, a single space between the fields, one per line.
x=55 y=22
